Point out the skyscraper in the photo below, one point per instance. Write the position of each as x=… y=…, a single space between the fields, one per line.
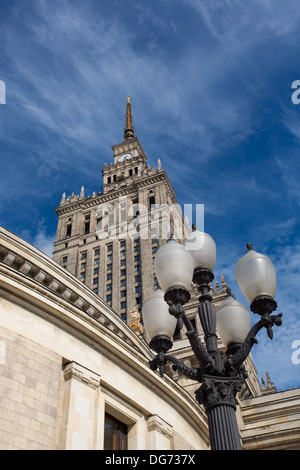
x=109 y=239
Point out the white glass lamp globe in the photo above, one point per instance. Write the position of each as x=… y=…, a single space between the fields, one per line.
x=233 y=321
x=156 y=316
x=174 y=266
x=256 y=276
x=202 y=248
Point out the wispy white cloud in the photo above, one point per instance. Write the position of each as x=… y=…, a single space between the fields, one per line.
x=44 y=242
x=89 y=61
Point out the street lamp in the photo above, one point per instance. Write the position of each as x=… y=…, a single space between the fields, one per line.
x=221 y=375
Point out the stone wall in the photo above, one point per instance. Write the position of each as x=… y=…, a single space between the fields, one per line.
x=30 y=377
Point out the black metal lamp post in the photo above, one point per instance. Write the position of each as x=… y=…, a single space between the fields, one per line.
x=221 y=376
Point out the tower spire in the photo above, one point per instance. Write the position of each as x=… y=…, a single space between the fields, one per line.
x=128 y=128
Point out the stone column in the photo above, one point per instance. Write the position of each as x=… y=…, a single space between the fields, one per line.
x=160 y=434
x=79 y=408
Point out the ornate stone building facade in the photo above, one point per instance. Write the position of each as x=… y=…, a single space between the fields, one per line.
x=74 y=375
x=74 y=358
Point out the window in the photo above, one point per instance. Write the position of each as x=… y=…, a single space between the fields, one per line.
x=95 y=290
x=123 y=272
x=151 y=201
x=96 y=261
x=137 y=278
x=136 y=248
x=83 y=266
x=155 y=281
x=87 y=227
x=123 y=293
x=96 y=271
x=109 y=257
x=82 y=275
x=83 y=256
x=138 y=289
x=123 y=304
x=123 y=243
x=123 y=262
x=109 y=267
x=97 y=252
x=154 y=249
x=69 y=230
x=138 y=300
x=108 y=298
x=95 y=280
x=137 y=258
x=154 y=240
x=109 y=180
x=123 y=253
x=108 y=287
x=109 y=276
x=123 y=283
x=109 y=247
x=137 y=268
x=65 y=259
x=124 y=316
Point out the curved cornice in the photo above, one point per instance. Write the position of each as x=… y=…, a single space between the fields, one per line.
x=32 y=278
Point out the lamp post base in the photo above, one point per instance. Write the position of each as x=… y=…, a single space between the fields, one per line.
x=223 y=430
x=218 y=395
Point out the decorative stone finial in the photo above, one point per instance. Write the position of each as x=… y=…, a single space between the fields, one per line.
x=63 y=198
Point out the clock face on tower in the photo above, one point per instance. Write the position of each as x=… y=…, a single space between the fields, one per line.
x=126 y=156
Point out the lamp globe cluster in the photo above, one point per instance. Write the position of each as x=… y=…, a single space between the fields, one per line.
x=176 y=265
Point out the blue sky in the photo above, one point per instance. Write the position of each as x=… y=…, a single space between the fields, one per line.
x=210 y=85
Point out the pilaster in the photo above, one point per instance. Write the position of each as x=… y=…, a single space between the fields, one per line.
x=79 y=408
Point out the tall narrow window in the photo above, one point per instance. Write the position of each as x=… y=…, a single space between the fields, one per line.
x=151 y=201
x=115 y=434
x=69 y=230
x=87 y=223
x=87 y=227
